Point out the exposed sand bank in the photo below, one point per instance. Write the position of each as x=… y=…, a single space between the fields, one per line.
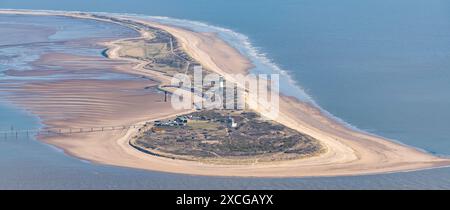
x=349 y=152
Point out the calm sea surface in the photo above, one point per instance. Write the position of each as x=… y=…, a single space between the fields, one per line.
x=381 y=66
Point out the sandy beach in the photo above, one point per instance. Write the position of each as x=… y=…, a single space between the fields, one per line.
x=349 y=152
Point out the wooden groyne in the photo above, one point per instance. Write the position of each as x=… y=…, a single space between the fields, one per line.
x=16 y=133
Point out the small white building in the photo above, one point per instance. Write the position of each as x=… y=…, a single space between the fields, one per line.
x=231 y=122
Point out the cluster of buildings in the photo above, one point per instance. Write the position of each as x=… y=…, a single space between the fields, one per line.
x=179 y=121
x=183 y=120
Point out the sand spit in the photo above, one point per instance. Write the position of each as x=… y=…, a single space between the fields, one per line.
x=349 y=152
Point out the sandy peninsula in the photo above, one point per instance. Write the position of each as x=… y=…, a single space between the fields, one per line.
x=348 y=152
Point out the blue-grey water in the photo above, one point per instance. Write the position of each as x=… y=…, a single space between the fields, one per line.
x=382 y=66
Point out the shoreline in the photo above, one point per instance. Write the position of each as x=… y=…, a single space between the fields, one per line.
x=349 y=152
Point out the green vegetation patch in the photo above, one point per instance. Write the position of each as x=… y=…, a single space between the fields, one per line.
x=226 y=134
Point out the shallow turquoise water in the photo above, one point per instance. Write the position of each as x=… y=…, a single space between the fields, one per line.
x=380 y=66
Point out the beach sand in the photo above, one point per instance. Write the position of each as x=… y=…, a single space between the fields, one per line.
x=349 y=152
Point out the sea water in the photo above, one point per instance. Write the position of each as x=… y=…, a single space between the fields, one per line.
x=381 y=66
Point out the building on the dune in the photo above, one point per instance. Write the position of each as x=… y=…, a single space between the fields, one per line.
x=182 y=120
x=231 y=122
x=179 y=121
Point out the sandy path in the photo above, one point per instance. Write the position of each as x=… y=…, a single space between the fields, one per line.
x=349 y=152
